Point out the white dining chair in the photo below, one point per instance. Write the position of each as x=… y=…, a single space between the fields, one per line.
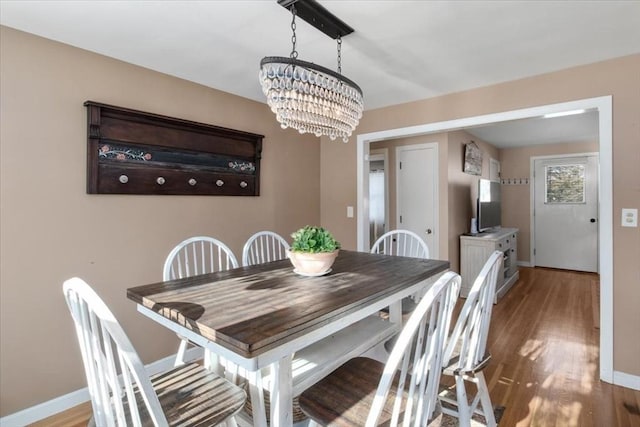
x=192 y=257
x=264 y=246
x=401 y=243
x=406 y=387
x=122 y=393
x=466 y=353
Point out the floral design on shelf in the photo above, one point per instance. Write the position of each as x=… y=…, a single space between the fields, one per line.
x=117 y=152
x=242 y=166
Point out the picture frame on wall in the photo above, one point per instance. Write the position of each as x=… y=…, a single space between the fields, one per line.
x=472 y=159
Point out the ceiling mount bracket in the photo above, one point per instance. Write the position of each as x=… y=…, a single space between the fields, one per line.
x=315 y=14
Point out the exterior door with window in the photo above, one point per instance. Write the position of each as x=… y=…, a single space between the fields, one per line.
x=566 y=213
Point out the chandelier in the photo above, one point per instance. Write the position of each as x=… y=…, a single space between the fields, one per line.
x=306 y=96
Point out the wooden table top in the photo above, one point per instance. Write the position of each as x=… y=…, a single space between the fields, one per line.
x=249 y=310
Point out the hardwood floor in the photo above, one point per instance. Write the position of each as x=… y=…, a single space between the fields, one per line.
x=544 y=369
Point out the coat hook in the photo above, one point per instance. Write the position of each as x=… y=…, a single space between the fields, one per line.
x=192 y=182
x=160 y=180
x=219 y=183
x=123 y=179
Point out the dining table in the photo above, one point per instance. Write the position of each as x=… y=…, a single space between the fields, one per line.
x=260 y=316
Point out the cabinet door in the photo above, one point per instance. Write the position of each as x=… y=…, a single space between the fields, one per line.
x=474 y=255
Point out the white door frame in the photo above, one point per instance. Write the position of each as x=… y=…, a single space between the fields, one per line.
x=603 y=105
x=532 y=187
x=434 y=252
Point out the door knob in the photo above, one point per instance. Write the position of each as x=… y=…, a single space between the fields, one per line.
x=592 y=220
x=428 y=231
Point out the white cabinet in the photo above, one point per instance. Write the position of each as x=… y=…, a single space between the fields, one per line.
x=475 y=251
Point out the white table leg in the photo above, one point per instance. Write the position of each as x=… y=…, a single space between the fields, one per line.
x=256 y=392
x=281 y=393
x=395 y=312
x=212 y=362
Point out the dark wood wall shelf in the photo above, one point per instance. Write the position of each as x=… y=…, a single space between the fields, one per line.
x=133 y=152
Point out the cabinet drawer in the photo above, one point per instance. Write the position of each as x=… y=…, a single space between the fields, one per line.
x=508 y=242
x=503 y=244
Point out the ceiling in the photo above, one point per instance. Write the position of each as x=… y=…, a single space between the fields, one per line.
x=401 y=51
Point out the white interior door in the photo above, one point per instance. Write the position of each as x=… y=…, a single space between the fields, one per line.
x=417 y=195
x=566 y=213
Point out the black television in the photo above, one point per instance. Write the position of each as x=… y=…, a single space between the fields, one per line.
x=489 y=205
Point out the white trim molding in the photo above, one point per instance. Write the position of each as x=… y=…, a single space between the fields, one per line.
x=603 y=105
x=67 y=401
x=626 y=380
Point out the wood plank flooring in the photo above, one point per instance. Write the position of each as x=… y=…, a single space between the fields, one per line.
x=544 y=369
x=545 y=348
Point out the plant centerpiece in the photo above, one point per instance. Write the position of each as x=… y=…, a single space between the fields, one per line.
x=313 y=251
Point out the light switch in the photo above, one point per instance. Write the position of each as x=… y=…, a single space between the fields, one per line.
x=349 y=211
x=629 y=217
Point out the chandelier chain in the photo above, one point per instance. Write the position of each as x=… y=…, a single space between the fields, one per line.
x=294 y=52
x=339 y=54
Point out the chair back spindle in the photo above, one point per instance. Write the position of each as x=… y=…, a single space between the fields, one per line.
x=198 y=255
x=264 y=246
x=401 y=243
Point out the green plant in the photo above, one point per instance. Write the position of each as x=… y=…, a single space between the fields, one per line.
x=313 y=239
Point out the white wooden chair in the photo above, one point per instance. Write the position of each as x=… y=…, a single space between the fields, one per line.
x=122 y=393
x=264 y=246
x=194 y=256
x=401 y=243
x=466 y=354
x=406 y=387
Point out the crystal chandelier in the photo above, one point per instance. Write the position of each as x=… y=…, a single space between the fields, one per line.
x=309 y=97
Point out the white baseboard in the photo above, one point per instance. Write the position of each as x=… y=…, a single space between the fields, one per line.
x=626 y=380
x=75 y=398
x=524 y=264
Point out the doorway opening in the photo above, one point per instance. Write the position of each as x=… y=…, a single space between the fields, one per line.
x=603 y=106
x=378 y=193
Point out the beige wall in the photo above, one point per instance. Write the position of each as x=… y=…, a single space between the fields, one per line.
x=619 y=78
x=516 y=199
x=52 y=230
x=463 y=189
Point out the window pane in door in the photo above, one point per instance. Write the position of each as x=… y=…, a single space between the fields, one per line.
x=564 y=184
